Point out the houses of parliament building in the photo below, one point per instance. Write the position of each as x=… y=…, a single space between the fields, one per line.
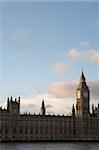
x=81 y=125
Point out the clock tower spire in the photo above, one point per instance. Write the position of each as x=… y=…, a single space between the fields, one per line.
x=82 y=78
x=83 y=98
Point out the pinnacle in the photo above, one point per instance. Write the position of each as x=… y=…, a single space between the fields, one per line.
x=82 y=78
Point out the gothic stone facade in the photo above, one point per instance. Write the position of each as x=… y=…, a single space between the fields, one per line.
x=80 y=126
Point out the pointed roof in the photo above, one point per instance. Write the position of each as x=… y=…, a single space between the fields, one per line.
x=43 y=104
x=73 y=108
x=82 y=78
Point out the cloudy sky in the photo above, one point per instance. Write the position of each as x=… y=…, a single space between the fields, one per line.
x=43 y=48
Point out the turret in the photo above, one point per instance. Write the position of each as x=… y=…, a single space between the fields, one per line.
x=73 y=111
x=11 y=98
x=18 y=99
x=43 y=108
x=13 y=107
x=15 y=100
x=93 y=110
x=7 y=103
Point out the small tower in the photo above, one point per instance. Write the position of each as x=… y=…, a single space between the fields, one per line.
x=93 y=109
x=43 y=108
x=83 y=98
x=7 y=103
x=19 y=99
x=18 y=105
x=73 y=110
x=13 y=107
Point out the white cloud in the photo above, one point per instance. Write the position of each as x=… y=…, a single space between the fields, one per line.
x=53 y=104
x=3 y=104
x=74 y=53
x=48 y=106
x=61 y=68
x=61 y=97
x=59 y=100
x=94 y=90
x=92 y=55
x=61 y=89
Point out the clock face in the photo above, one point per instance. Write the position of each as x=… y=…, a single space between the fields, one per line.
x=85 y=94
x=78 y=94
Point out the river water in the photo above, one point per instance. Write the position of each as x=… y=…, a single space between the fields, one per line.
x=50 y=146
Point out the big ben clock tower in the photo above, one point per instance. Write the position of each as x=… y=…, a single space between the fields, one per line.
x=83 y=98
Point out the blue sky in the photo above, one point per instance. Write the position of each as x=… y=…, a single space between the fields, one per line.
x=43 y=43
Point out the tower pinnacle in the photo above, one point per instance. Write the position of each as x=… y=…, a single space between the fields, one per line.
x=82 y=78
x=73 y=110
x=43 y=108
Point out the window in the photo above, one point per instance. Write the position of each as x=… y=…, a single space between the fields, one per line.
x=14 y=130
x=6 y=131
x=31 y=131
x=26 y=131
x=20 y=131
x=0 y=131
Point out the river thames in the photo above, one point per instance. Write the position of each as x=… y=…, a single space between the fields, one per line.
x=50 y=146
